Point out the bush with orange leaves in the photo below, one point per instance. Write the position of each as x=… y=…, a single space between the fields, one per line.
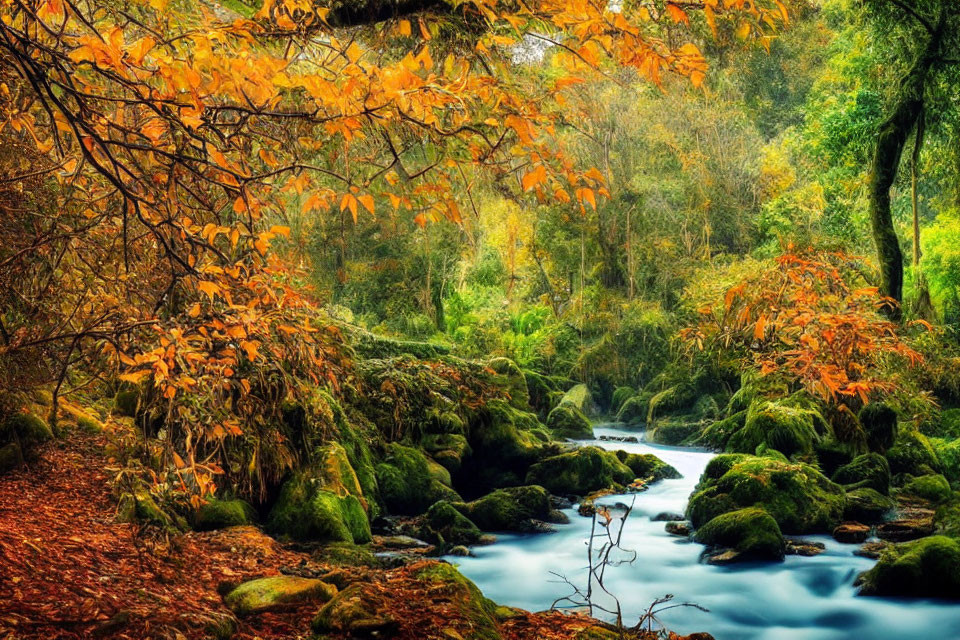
x=802 y=321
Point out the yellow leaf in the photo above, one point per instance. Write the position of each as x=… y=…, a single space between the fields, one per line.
x=209 y=288
x=354 y=52
x=404 y=27
x=367 y=202
x=134 y=377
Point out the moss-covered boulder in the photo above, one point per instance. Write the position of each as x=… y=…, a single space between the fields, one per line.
x=358 y=611
x=468 y=606
x=776 y=425
x=678 y=398
x=448 y=449
x=879 y=423
x=913 y=454
x=946 y=519
x=673 y=431
x=310 y=509
x=25 y=429
x=510 y=509
x=505 y=442
x=924 y=568
x=579 y=396
x=445 y=525
x=138 y=506
x=648 y=466
x=220 y=514
x=126 y=402
x=718 y=433
x=870 y=470
x=567 y=421
x=510 y=377
x=408 y=483
x=265 y=594
x=934 y=488
x=867 y=505
x=752 y=532
x=580 y=472
x=634 y=410
x=798 y=496
x=619 y=397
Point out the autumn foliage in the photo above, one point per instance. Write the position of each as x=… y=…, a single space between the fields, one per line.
x=802 y=321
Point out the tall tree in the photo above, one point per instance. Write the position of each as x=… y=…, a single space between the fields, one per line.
x=931 y=31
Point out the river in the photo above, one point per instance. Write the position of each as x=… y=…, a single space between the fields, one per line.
x=802 y=598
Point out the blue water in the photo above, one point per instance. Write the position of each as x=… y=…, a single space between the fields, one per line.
x=799 y=599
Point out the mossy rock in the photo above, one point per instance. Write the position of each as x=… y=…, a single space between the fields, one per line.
x=543 y=392
x=580 y=472
x=88 y=424
x=345 y=554
x=468 y=606
x=510 y=377
x=871 y=470
x=648 y=466
x=448 y=449
x=579 y=396
x=509 y=509
x=833 y=454
x=138 y=506
x=717 y=434
x=674 y=431
x=787 y=429
x=408 y=482
x=503 y=442
x=446 y=526
x=913 y=454
x=308 y=509
x=751 y=531
x=220 y=514
x=11 y=457
x=265 y=594
x=358 y=612
x=26 y=429
x=879 y=423
x=620 y=396
x=681 y=397
x=567 y=421
x=867 y=505
x=634 y=410
x=926 y=568
x=934 y=488
x=127 y=402
x=798 y=496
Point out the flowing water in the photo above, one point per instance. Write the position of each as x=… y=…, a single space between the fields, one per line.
x=802 y=598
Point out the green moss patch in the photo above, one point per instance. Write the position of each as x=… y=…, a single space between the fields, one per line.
x=308 y=510
x=931 y=487
x=510 y=509
x=220 y=514
x=752 y=532
x=870 y=470
x=580 y=472
x=408 y=482
x=567 y=421
x=925 y=568
x=265 y=594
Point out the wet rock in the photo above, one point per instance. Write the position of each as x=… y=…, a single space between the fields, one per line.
x=751 y=532
x=629 y=439
x=401 y=542
x=264 y=594
x=510 y=509
x=871 y=550
x=796 y=495
x=580 y=472
x=724 y=557
x=905 y=529
x=867 y=505
x=851 y=533
x=460 y=551
x=804 y=548
x=668 y=517
x=567 y=421
x=925 y=568
x=682 y=529
x=358 y=611
x=444 y=524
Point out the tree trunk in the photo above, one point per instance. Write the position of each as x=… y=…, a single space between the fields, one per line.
x=886 y=162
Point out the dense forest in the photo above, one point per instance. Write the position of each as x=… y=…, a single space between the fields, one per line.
x=480 y=319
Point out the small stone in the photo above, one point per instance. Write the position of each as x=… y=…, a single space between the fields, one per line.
x=804 y=548
x=460 y=550
x=666 y=516
x=676 y=528
x=401 y=542
x=727 y=556
x=851 y=533
x=871 y=550
x=264 y=594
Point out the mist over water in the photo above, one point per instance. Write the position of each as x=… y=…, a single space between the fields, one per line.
x=798 y=599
